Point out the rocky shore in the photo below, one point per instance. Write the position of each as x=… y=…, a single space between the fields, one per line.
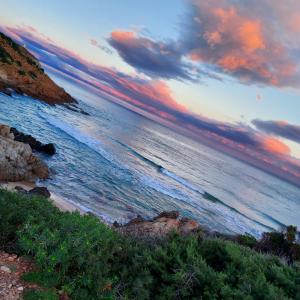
x=17 y=161
x=22 y=73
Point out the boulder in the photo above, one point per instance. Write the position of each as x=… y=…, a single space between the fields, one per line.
x=33 y=142
x=5 y=132
x=40 y=191
x=17 y=162
x=174 y=214
x=48 y=149
x=159 y=226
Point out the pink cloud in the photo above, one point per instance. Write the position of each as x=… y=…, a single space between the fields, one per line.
x=155 y=97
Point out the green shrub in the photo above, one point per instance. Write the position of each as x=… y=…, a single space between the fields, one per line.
x=15 y=211
x=5 y=56
x=21 y=72
x=40 y=295
x=246 y=240
x=82 y=257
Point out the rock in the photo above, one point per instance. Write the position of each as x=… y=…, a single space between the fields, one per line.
x=116 y=224
x=5 y=269
x=136 y=220
x=17 y=161
x=5 y=132
x=20 y=288
x=40 y=191
x=34 y=143
x=20 y=189
x=48 y=149
x=186 y=226
x=162 y=225
x=165 y=214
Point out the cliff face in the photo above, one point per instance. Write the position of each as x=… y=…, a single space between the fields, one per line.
x=21 y=71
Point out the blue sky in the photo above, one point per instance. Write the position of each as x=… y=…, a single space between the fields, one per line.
x=73 y=23
x=180 y=47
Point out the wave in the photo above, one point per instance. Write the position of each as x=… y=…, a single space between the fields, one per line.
x=182 y=181
x=162 y=188
x=96 y=145
x=214 y=199
x=81 y=137
x=140 y=156
x=162 y=170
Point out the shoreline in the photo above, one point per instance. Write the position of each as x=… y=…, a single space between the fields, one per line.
x=58 y=201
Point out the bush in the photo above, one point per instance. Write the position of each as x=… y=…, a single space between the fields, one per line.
x=86 y=259
x=21 y=72
x=246 y=240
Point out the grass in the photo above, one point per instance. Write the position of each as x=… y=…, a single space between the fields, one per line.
x=82 y=257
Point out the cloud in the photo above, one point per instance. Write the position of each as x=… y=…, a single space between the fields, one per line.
x=95 y=43
x=275 y=146
x=256 y=42
x=279 y=128
x=249 y=40
x=155 y=98
x=154 y=58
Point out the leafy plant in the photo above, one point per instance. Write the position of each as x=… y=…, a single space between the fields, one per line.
x=85 y=259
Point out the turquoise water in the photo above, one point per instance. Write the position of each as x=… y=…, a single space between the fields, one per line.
x=118 y=164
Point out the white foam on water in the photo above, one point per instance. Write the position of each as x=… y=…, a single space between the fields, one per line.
x=181 y=181
x=81 y=137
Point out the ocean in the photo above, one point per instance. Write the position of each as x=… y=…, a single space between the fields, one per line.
x=119 y=164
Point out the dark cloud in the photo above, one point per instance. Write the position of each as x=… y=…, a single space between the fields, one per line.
x=256 y=42
x=279 y=128
x=156 y=59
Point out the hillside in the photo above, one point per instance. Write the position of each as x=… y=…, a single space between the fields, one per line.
x=21 y=71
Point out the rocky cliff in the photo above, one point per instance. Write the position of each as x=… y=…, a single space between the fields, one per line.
x=20 y=71
x=17 y=162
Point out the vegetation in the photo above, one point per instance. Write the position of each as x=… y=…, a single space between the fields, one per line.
x=85 y=259
x=32 y=75
x=21 y=72
x=4 y=56
x=10 y=42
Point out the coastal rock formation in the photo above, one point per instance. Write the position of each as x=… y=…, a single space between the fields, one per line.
x=17 y=162
x=33 y=142
x=160 y=226
x=20 y=71
x=37 y=191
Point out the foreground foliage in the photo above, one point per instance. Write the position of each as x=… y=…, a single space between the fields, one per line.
x=85 y=259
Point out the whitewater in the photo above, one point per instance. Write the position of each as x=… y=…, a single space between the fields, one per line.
x=119 y=164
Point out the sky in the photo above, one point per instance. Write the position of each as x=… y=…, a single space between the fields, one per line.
x=225 y=72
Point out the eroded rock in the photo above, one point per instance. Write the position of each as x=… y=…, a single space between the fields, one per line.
x=162 y=225
x=17 y=161
x=33 y=142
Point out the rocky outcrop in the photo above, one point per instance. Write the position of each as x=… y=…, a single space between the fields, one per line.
x=21 y=72
x=17 y=162
x=33 y=142
x=37 y=191
x=160 y=226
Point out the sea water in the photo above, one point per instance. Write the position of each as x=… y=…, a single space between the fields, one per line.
x=120 y=164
